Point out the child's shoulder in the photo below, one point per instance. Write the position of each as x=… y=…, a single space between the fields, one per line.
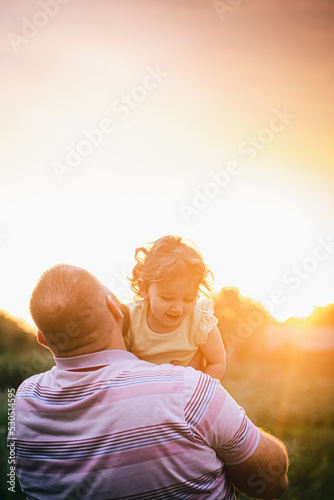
x=205 y=307
x=203 y=320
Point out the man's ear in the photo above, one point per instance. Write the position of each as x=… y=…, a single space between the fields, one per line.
x=116 y=312
x=143 y=288
x=40 y=339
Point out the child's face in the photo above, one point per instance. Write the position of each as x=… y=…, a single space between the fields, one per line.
x=171 y=301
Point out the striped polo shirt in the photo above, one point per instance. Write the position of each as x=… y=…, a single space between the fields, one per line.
x=110 y=426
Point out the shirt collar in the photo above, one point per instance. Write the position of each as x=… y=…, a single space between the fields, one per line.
x=94 y=359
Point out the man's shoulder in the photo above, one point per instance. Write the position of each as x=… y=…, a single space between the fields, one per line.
x=200 y=390
x=38 y=378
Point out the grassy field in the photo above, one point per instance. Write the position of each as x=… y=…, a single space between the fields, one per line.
x=291 y=396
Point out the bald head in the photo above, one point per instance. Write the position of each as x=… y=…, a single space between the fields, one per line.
x=69 y=307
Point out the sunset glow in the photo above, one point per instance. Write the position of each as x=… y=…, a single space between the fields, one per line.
x=125 y=121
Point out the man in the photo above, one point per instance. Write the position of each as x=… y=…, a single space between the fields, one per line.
x=103 y=425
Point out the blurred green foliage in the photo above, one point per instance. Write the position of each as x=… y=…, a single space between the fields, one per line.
x=20 y=354
x=20 y=357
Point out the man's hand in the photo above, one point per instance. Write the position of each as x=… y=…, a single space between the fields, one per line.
x=263 y=475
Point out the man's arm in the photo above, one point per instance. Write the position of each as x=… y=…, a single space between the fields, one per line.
x=263 y=475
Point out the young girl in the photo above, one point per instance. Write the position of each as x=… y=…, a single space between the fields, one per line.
x=168 y=325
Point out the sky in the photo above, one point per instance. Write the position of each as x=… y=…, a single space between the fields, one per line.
x=123 y=121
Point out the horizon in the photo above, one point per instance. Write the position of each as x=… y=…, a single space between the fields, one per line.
x=304 y=319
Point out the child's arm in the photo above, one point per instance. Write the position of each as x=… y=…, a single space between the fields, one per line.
x=214 y=352
x=198 y=361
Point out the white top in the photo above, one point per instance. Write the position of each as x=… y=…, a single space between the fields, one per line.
x=179 y=345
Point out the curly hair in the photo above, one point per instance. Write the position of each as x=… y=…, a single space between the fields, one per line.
x=167 y=258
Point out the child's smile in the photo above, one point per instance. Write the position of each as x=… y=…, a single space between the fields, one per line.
x=170 y=301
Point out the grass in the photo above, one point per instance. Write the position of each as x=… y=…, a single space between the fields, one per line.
x=290 y=395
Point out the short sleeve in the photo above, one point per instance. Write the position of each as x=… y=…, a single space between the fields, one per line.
x=207 y=320
x=217 y=420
